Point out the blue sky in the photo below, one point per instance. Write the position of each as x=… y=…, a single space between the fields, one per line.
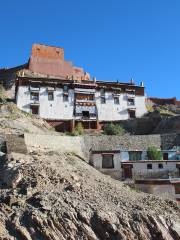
x=111 y=39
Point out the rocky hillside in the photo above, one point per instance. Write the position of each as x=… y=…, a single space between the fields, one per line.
x=14 y=121
x=59 y=196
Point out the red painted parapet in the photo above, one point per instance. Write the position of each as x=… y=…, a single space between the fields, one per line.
x=50 y=60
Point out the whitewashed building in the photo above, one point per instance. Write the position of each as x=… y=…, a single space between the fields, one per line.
x=65 y=102
x=63 y=94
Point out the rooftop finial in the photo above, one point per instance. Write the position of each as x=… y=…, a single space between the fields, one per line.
x=132 y=81
x=142 y=84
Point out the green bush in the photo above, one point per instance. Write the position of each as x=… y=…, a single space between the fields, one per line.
x=153 y=153
x=113 y=129
x=78 y=130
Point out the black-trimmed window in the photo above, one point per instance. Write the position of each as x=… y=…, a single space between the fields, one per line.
x=107 y=161
x=34 y=96
x=102 y=91
x=65 y=98
x=149 y=166
x=160 y=166
x=103 y=100
x=131 y=101
x=50 y=95
x=116 y=100
x=65 y=88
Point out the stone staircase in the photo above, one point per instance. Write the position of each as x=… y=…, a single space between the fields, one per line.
x=15 y=143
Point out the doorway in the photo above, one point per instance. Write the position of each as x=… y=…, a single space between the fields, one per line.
x=35 y=109
x=127 y=169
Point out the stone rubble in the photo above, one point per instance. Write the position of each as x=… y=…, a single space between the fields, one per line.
x=56 y=196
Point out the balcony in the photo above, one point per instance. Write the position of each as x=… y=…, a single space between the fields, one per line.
x=85 y=115
x=85 y=101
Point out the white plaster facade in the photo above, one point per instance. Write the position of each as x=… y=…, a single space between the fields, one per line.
x=48 y=109
x=109 y=111
x=140 y=167
x=59 y=109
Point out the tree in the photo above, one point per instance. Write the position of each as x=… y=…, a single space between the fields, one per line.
x=153 y=153
x=113 y=129
x=78 y=130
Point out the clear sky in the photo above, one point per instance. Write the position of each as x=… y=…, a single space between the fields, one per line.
x=111 y=39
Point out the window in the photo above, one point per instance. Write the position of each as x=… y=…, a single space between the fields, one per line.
x=149 y=166
x=65 y=97
x=103 y=100
x=134 y=156
x=85 y=114
x=65 y=88
x=50 y=96
x=116 y=100
x=160 y=165
x=132 y=114
x=35 y=96
x=107 y=161
x=102 y=91
x=34 y=109
x=165 y=156
x=131 y=102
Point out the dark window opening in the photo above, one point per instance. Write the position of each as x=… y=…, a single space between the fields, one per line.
x=134 y=156
x=177 y=188
x=165 y=156
x=85 y=114
x=160 y=165
x=35 y=110
x=131 y=102
x=116 y=100
x=103 y=100
x=65 y=98
x=35 y=96
x=107 y=161
x=149 y=166
x=50 y=96
x=132 y=114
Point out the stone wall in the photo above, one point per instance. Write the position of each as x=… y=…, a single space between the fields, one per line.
x=83 y=145
x=54 y=143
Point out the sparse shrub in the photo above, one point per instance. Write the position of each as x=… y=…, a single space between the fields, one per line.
x=2 y=94
x=78 y=130
x=153 y=153
x=113 y=129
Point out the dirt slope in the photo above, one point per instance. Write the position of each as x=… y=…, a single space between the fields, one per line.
x=58 y=196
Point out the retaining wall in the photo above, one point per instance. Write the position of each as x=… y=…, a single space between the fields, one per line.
x=82 y=145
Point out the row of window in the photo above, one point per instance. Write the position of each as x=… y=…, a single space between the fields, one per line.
x=108 y=162
x=160 y=166
x=35 y=97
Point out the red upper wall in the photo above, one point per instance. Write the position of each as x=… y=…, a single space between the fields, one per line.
x=48 y=52
x=50 y=60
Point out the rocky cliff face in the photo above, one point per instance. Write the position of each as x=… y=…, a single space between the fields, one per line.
x=56 y=196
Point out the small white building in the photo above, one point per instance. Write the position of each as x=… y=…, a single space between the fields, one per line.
x=121 y=164
x=150 y=169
